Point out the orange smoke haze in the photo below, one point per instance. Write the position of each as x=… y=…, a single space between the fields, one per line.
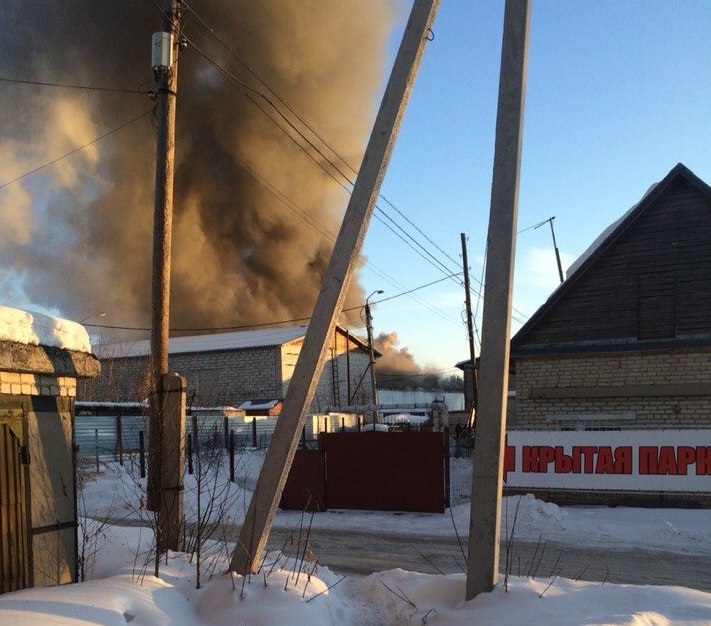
x=77 y=235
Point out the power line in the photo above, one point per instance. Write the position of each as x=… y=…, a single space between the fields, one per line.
x=424 y=252
x=263 y=324
x=306 y=139
x=84 y=87
x=302 y=214
x=308 y=126
x=415 y=245
x=71 y=152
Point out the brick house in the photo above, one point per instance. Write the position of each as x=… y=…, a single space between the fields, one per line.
x=626 y=339
x=613 y=371
x=229 y=369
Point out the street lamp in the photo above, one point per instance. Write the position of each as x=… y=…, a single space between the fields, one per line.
x=369 y=327
x=97 y=314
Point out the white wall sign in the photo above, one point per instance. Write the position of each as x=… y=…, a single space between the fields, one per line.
x=627 y=460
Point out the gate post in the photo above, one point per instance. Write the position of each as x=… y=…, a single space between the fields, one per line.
x=171 y=525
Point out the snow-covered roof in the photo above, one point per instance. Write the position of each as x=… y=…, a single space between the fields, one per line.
x=31 y=328
x=259 y=405
x=592 y=248
x=260 y=338
x=607 y=238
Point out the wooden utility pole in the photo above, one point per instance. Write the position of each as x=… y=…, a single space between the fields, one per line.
x=165 y=68
x=485 y=516
x=277 y=463
x=470 y=332
x=371 y=352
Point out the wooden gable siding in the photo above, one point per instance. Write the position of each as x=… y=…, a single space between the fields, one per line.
x=671 y=239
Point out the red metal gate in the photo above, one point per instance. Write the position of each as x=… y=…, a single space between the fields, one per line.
x=374 y=471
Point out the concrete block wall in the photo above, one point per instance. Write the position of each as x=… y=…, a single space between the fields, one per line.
x=356 y=361
x=610 y=372
x=15 y=384
x=229 y=377
x=218 y=378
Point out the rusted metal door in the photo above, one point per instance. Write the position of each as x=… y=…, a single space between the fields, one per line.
x=14 y=561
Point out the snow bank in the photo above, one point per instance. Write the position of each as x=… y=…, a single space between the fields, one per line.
x=32 y=328
x=301 y=593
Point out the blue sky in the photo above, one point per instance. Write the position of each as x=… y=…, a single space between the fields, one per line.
x=617 y=94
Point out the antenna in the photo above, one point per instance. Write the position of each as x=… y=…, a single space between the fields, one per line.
x=555 y=246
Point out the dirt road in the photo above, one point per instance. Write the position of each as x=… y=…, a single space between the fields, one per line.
x=368 y=552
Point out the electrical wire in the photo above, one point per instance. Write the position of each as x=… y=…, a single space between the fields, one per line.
x=71 y=152
x=423 y=252
x=311 y=144
x=307 y=125
x=262 y=324
x=84 y=87
x=405 y=236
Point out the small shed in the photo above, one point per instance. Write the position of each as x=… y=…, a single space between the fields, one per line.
x=41 y=357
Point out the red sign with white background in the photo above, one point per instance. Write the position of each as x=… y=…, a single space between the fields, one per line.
x=626 y=460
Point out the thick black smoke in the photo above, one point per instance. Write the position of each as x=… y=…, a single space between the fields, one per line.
x=76 y=236
x=397 y=369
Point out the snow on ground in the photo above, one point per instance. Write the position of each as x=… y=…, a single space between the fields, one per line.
x=40 y=329
x=295 y=592
x=119 y=494
x=125 y=592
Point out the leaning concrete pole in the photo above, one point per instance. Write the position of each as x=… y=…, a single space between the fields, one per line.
x=262 y=508
x=483 y=565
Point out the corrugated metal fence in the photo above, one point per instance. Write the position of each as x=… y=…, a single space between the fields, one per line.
x=113 y=433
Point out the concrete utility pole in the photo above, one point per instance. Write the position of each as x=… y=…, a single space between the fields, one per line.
x=262 y=508
x=483 y=567
x=371 y=350
x=470 y=330
x=165 y=68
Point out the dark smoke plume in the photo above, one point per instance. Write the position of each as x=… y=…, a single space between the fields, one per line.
x=77 y=235
x=397 y=369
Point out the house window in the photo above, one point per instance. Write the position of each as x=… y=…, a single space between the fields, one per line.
x=656 y=305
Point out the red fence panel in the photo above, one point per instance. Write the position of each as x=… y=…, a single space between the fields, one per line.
x=305 y=487
x=381 y=471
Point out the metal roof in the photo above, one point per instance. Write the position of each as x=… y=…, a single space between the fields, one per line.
x=237 y=340
x=259 y=338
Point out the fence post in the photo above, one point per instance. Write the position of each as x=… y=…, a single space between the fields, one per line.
x=303 y=436
x=225 y=430
x=325 y=424
x=142 y=453
x=232 y=456
x=358 y=418
x=343 y=424
x=190 y=453
x=96 y=448
x=196 y=432
x=447 y=483
x=119 y=438
x=254 y=432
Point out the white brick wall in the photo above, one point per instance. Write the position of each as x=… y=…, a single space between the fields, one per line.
x=610 y=371
x=12 y=383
